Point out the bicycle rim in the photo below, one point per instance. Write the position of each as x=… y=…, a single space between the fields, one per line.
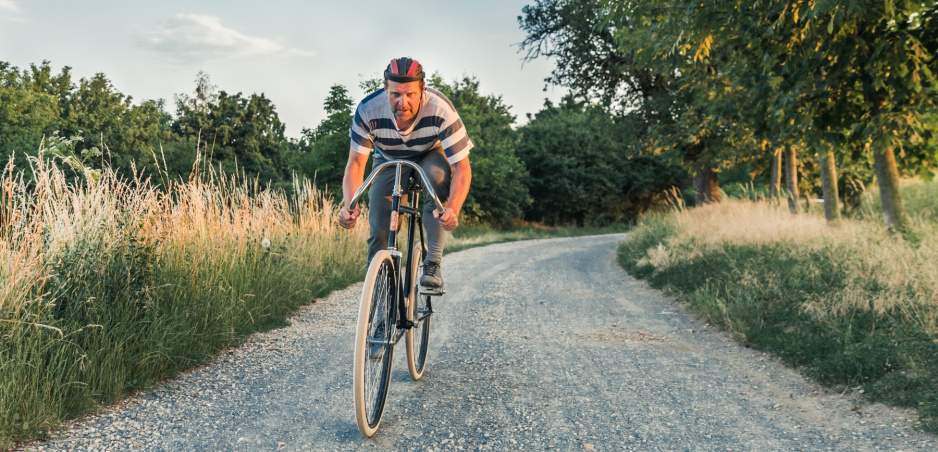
x=421 y=332
x=418 y=311
x=373 y=355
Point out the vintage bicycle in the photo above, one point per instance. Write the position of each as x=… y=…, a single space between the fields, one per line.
x=393 y=305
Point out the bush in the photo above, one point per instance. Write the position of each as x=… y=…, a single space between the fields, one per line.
x=579 y=170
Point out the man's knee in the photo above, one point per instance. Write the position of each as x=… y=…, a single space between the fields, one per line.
x=439 y=172
x=439 y=175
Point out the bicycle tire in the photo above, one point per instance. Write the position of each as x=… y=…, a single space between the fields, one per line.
x=372 y=376
x=418 y=312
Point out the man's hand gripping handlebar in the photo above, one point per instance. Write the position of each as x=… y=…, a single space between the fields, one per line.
x=347 y=219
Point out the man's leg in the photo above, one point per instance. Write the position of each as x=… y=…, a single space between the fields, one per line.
x=438 y=170
x=379 y=208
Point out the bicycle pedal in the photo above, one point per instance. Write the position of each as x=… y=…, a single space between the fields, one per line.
x=432 y=291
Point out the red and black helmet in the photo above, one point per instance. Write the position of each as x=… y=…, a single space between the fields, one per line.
x=403 y=70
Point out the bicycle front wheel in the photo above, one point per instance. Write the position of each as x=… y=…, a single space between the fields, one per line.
x=418 y=312
x=373 y=343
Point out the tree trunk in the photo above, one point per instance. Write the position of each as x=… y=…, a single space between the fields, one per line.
x=887 y=175
x=706 y=187
x=775 y=179
x=791 y=178
x=829 y=186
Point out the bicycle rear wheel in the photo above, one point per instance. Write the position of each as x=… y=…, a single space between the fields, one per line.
x=373 y=351
x=418 y=312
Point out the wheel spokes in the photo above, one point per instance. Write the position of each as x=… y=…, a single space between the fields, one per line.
x=375 y=368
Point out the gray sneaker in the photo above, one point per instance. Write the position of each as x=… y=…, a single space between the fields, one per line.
x=432 y=276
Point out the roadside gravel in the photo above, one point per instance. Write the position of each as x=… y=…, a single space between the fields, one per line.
x=544 y=345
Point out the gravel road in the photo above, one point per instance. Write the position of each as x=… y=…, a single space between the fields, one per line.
x=539 y=345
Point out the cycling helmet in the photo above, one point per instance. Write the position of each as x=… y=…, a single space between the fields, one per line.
x=404 y=70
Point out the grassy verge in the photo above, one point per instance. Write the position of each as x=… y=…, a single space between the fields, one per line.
x=851 y=304
x=110 y=285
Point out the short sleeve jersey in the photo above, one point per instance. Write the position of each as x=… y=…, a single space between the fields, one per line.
x=437 y=122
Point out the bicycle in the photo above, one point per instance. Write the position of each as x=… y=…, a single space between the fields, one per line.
x=394 y=298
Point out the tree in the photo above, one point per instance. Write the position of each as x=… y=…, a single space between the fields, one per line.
x=580 y=169
x=581 y=37
x=745 y=78
x=26 y=114
x=829 y=183
x=128 y=135
x=840 y=75
x=37 y=104
x=237 y=133
x=600 y=52
x=203 y=97
x=498 y=195
x=324 y=150
x=791 y=178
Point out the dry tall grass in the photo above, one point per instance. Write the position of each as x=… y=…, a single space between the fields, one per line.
x=107 y=284
x=907 y=272
x=850 y=303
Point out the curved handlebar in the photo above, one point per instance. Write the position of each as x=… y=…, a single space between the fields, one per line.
x=398 y=164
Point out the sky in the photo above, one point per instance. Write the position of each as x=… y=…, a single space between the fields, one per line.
x=290 y=50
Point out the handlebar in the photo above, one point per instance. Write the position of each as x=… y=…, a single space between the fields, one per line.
x=397 y=183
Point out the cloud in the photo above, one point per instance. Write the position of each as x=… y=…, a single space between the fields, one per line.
x=9 y=5
x=195 y=38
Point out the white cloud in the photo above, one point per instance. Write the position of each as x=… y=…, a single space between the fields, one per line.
x=194 y=38
x=9 y=5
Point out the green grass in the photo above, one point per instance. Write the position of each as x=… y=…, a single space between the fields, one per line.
x=852 y=305
x=920 y=199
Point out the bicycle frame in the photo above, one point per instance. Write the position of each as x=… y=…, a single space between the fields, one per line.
x=414 y=215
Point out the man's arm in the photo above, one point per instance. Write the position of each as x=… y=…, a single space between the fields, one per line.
x=354 y=177
x=458 y=190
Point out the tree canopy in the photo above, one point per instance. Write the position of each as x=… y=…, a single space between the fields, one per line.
x=725 y=84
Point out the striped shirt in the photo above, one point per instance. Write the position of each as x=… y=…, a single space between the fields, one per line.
x=437 y=123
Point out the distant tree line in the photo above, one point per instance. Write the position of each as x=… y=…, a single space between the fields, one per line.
x=832 y=95
x=567 y=165
x=233 y=130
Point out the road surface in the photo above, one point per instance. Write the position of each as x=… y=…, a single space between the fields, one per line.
x=538 y=345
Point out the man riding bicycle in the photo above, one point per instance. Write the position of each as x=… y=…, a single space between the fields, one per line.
x=407 y=120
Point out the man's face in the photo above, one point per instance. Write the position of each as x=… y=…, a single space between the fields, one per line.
x=404 y=98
